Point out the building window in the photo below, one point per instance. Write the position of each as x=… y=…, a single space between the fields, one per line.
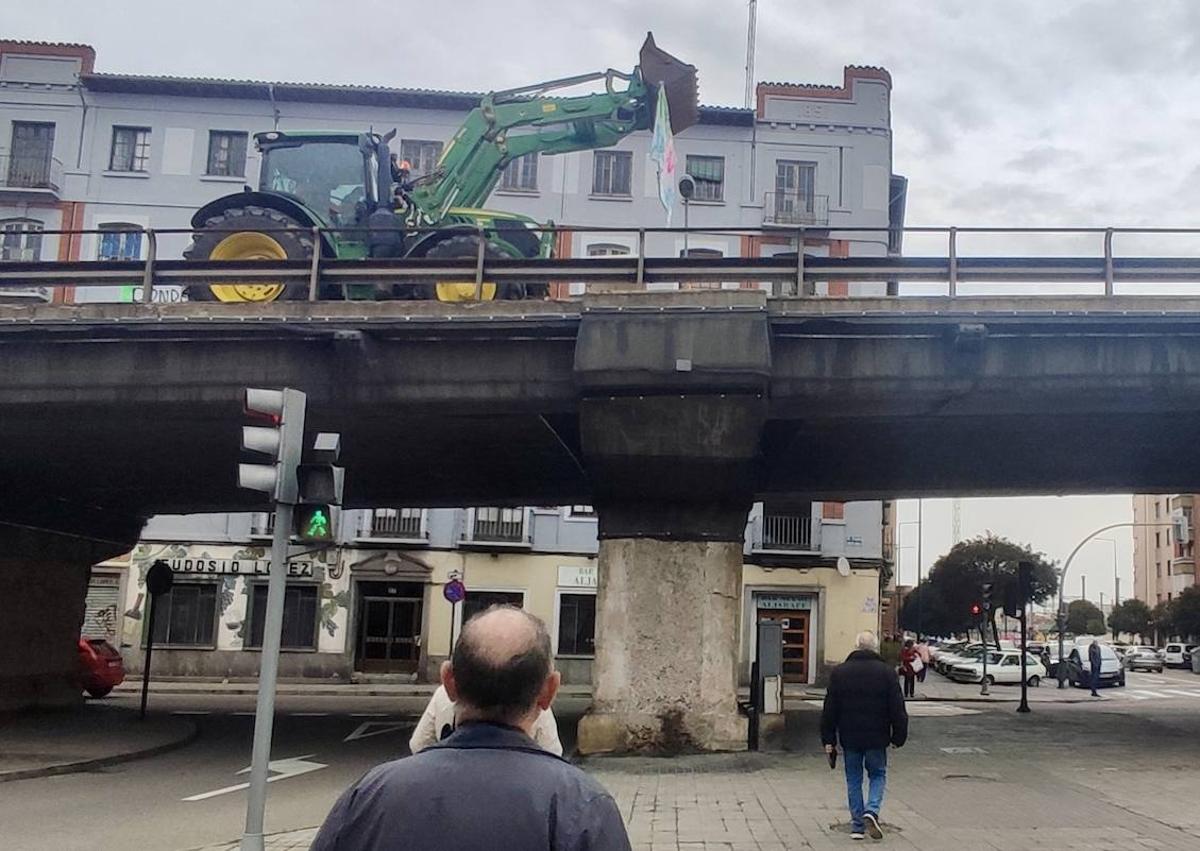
x=130 y=149
x=119 y=241
x=795 y=187
x=21 y=240
x=396 y=522
x=499 y=524
x=299 y=616
x=1157 y=540
x=478 y=601
x=708 y=173
x=1168 y=568
x=521 y=174
x=701 y=285
x=32 y=151
x=606 y=249
x=833 y=510
x=1158 y=569
x=226 y=153
x=577 y=625
x=1168 y=596
x=422 y=155
x=612 y=173
x=581 y=511
x=1157 y=510
x=187 y=615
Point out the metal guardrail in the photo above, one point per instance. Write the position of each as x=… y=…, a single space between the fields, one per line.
x=794 y=273
x=795 y=208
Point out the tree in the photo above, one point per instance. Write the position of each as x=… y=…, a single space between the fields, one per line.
x=1082 y=615
x=1185 y=613
x=1132 y=617
x=1163 y=622
x=957 y=578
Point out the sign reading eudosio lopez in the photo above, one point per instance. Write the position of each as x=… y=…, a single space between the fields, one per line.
x=236 y=566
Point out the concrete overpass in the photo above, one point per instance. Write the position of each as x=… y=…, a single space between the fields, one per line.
x=669 y=412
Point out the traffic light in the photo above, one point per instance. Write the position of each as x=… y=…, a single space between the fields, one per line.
x=976 y=609
x=1012 y=600
x=987 y=596
x=1025 y=582
x=320 y=484
x=281 y=440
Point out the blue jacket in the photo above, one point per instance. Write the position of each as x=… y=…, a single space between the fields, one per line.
x=488 y=786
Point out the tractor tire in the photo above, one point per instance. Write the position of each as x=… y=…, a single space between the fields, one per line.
x=250 y=233
x=462 y=245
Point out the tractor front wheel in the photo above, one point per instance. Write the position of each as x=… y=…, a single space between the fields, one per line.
x=458 y=247
x=250 y=233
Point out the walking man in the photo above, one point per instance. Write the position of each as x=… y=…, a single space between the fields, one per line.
x=488 y=785
x=1094 y=663
x=864 y=711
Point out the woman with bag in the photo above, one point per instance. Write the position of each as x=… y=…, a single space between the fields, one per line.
x=910 y=663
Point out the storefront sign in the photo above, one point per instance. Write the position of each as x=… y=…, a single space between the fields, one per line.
x=236 y=567
x=784 y=602
x=577 y=576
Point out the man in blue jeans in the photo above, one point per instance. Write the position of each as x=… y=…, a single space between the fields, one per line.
x=864 y=710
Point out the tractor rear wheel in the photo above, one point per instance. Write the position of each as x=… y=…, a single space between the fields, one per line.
x=250 y=233
x=460 y=246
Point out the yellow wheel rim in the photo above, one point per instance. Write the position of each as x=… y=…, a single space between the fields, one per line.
x=248 y=245
x=464 y=291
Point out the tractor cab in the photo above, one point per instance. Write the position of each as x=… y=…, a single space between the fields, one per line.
x=333 y=176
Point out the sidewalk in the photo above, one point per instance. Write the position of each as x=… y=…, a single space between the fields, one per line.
x=92 y=736
x=313 y=689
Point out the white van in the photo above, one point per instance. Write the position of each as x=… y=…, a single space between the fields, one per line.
x=1176 y=655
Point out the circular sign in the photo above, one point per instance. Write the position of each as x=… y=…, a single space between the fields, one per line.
x=159 y=578
x=843 y=566
x=454 y=591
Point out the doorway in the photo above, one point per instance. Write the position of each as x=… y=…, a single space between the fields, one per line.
x=795 y=641
x=390 y=616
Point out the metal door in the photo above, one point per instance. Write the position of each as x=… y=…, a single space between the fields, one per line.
x=389 y=635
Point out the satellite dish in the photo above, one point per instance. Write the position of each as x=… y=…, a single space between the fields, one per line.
x=843 y=565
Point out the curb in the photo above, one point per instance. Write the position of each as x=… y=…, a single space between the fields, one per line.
x=100 y=762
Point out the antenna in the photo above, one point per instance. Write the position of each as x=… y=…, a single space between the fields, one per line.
x=750 y=30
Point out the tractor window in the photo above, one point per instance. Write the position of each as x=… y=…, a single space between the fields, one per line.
x=326 y=177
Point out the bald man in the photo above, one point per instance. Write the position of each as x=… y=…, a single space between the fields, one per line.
x=488 y=785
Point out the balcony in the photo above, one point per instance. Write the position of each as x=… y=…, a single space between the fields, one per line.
x=262 y=524
x=1183 y=565
x=394 y=524
x=25 y=173
x=795 y=209
x=784 y=533
x=504 y=527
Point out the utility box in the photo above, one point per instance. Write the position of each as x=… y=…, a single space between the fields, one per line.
x=770 y=666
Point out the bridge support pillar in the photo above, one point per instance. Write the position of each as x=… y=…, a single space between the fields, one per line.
x=43 y=586
x=670 y=424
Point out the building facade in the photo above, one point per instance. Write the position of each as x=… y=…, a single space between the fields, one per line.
x=809 y=168
x=1163 y=566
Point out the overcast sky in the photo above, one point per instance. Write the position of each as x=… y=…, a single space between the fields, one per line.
x=1016 y=113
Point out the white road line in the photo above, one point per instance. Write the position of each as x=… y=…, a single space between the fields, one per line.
x=1181 y=692
x=191 y=712
x=245 y=714
x=1144 y=694
x=310 y=714
x=368 y=715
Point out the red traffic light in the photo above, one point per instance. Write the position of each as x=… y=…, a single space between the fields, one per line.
x=975 y=609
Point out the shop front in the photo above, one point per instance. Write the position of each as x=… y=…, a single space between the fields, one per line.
x=391 y=591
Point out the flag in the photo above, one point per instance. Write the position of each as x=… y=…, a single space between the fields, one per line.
x=662 y=154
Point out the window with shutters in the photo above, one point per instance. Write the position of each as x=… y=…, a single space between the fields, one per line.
x=521 y=175
x=119 y=241
x=21 y=240
x=422 y=155
x=576 y=624
x=708 y=174
x=612 y=173
x=226 y=153
x=130 y=149
x=187 y=615
x=299 y=616
x=833 y=511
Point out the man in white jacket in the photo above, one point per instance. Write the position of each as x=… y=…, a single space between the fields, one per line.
x=437 y=723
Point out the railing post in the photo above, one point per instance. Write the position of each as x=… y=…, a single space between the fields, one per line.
x=314 y=271
x=953 y=262
x=641 y=259
x=148 y=272
x=482 y=247
x=801 y=287
x=1108 y=261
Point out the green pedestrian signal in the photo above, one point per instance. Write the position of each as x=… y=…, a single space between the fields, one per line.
x=314 y=522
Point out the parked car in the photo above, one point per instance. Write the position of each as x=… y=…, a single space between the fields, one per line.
x=1079 y=671
x=100 y=666
x=1004 y=666
x=1176 y=655
x=1143 y=659
x=947 y=660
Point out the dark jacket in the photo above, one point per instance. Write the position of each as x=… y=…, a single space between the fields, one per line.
x=864 y=709
x=487 y=786
x=1094 y=658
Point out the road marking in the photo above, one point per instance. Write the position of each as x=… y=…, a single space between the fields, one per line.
x=310 y=714
x=918 y=709
x=368 y=715
x=364 y=731
x=1154 y=681
x=963 y=750
x=284 y=768
x=191 y=712
x=245 y=714
x=1181 y=692
x=1145 y=694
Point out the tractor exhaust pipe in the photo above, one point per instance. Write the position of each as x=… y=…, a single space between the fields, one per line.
x=678 y=79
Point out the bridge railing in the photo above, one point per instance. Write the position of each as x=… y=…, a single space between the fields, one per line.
x=617 y=257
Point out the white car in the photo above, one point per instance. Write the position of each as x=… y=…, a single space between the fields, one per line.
x=1003 y=666
x=1143 y=659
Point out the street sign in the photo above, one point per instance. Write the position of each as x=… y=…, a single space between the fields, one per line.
x=454 y=591
x=159 y=578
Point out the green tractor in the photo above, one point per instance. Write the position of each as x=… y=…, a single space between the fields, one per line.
x=352 y=184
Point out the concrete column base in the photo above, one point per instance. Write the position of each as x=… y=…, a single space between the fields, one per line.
x=43 y=611
x=664 y=679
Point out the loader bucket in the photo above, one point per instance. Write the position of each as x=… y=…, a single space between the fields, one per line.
x=678 y=79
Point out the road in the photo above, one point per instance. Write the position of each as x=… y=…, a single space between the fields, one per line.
x=1142 y=742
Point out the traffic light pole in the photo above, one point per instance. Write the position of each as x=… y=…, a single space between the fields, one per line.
x=1024 y=706
x=986 y=620
x=264 y=710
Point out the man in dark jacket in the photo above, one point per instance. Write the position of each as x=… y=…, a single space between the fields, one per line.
x=864 y=710
x=1095 y=664
x=489 y=785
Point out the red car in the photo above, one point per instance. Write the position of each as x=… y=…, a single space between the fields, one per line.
x=100 y=666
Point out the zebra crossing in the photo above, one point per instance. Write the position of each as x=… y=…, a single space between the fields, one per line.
x=1147 y=687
